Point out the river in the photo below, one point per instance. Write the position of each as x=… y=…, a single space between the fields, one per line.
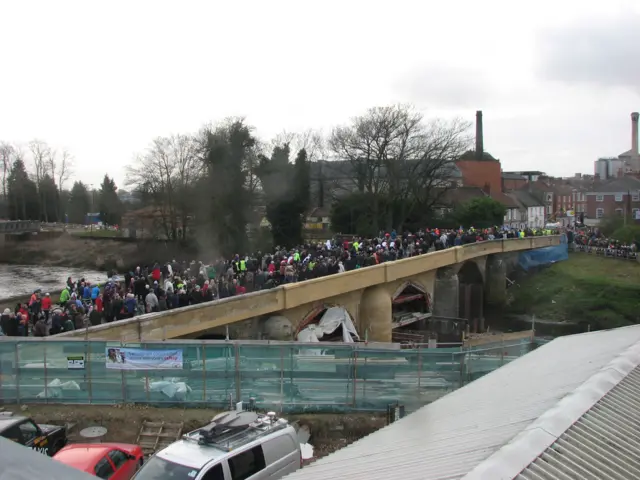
x=24 y=279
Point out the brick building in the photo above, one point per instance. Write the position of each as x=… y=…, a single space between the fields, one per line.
x=619 y=197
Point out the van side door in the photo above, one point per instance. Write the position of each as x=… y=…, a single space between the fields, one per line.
x=282 y=455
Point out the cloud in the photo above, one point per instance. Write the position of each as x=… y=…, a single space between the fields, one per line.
x=602 y=52
x=439 y=86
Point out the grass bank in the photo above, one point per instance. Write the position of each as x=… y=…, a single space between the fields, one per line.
x=602 y=292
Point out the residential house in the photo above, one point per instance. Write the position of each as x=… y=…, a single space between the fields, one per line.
x=546 y=194
x=514 y=216
x=619 y=197
x=534 y=208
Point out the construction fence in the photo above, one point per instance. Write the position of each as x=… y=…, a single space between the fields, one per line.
x=281 y=376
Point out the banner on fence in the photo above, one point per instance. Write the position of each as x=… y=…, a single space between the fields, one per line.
x=141 y=359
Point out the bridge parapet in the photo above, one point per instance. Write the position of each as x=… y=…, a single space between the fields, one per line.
x=19 y=226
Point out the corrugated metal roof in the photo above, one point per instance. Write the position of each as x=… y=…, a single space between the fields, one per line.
x=454 y=436
x=604 y=443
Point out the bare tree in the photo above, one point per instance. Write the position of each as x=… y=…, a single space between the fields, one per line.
x=7 y=153
x=60 y=167
x=40 y=153
x=313 y=141
x=167 y=172
x=392 y=155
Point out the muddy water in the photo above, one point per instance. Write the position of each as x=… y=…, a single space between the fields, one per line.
x=24 y=279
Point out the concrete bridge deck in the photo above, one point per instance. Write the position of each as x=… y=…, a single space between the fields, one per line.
x=365 y=293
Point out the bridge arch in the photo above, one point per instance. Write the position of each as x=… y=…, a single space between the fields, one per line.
x=410 y=310
x=471 y=294
x=315 y=315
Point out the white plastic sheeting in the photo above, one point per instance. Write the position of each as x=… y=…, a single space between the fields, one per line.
x=55 y=387
x=332 y=319
x=173 y=388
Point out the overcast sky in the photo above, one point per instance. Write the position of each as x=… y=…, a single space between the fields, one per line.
x=556 y=79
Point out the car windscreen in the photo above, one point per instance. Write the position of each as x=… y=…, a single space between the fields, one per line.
x=157 y=468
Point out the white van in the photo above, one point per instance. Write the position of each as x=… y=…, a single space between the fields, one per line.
x=234 y=446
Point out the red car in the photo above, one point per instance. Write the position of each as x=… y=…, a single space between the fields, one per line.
x=112 y=461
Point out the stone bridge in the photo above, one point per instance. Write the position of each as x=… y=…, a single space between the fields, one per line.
x=14 y=227
x=459 y=280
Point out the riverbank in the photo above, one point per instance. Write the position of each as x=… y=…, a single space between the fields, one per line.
x=67 y=250
x=591 y=290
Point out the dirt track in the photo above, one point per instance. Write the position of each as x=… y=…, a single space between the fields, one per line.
x=328 y=432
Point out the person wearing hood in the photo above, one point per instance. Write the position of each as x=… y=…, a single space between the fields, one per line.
x=40 y=328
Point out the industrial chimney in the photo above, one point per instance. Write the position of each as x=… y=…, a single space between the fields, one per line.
x=480 y=139
x=634 y=134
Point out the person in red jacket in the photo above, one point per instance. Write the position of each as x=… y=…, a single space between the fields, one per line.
x=99 y=304
x=46 y=306
x=156 y=274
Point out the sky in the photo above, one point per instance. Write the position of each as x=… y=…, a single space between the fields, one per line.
x=556 y=80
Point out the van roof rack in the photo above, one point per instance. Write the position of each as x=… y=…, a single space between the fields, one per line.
x=230 y=430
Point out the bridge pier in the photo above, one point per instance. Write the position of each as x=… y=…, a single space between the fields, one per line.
x=496 y=280
x=375 y=314
x=446 y=298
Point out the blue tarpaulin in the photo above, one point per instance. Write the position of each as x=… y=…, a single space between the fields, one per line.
x=544 y=256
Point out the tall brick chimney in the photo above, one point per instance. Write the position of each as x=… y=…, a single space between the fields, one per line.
x=634 y=134
x=480 y=139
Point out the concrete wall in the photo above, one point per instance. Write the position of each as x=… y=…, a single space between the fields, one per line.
x=365 y=293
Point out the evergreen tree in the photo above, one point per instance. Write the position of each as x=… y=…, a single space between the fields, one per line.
x=22 y=193
x=302 y=181
x=51 y=197
x=79 y=203
x=109 y=202
x=227 y=149
x=286 y=187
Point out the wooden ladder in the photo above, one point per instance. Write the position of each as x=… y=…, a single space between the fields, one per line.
x=155 y=436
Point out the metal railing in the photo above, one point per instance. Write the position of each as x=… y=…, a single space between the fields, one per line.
x=283 y=376
x=19 y=226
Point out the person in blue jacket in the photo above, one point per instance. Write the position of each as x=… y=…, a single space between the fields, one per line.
x=95 y=291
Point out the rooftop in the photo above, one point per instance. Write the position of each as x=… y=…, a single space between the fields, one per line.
x=471 y=155
x=618 y=185
x=526 y=199
x=506 y=421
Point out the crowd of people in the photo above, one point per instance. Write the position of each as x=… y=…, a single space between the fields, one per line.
x=591 y=240
x=178 y=284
